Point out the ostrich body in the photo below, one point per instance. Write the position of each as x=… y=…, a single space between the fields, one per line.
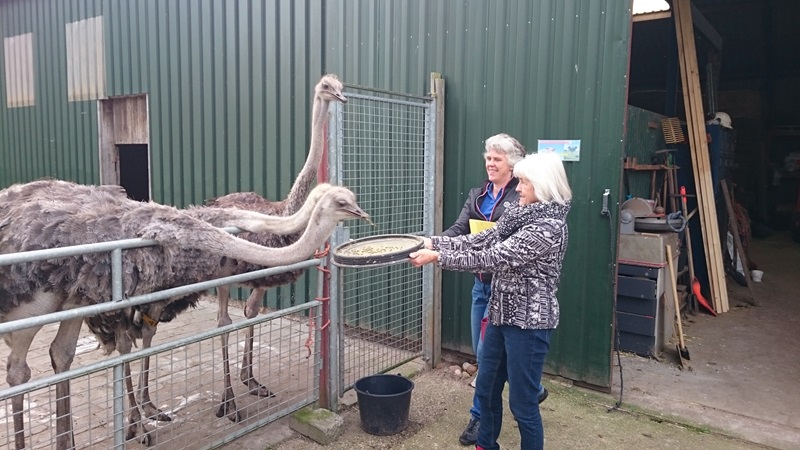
x=49 y=214
x=328 y=89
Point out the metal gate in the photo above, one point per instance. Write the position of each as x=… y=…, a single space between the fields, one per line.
x=382 y=147
x=185 y=370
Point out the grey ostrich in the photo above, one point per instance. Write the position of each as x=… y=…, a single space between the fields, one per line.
x=328 y=89
x=53 y=214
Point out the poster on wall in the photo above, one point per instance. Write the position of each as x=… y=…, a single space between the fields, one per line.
x=567 y=149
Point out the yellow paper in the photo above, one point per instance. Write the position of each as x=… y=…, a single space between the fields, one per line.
x=476 y=226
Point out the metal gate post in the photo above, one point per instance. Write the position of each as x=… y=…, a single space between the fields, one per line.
x=330 y=373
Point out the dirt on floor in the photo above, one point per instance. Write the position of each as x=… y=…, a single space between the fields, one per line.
x=574 y=418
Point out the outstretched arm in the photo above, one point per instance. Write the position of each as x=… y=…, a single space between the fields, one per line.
x=523 y=247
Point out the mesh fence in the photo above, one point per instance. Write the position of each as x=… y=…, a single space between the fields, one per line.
x=383 y=151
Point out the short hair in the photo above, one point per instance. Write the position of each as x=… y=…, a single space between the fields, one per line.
x=546 y=173
x=507 y=145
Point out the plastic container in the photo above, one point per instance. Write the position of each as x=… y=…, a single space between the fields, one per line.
x=383 y=403
x=756 y=275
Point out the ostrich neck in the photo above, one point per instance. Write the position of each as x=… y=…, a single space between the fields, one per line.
x=315 y=234
x=307 y=177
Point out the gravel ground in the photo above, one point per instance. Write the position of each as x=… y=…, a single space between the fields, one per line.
x=574 y=418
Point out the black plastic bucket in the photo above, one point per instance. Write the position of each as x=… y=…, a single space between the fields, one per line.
x=383 y=403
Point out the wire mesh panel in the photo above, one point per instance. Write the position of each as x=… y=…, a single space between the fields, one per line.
x=381 y=148
x=185 y=379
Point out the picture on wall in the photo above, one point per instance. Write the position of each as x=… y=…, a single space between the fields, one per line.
x=567 y=149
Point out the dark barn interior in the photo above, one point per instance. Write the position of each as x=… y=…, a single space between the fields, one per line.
x=754 y=77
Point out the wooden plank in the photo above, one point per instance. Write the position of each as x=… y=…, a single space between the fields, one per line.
x=714 y=245
x=690 y=81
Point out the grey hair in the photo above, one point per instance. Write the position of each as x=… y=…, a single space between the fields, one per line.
x=506 y=145
x=546 y=173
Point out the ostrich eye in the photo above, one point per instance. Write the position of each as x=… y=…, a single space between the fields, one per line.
x=325 y=86
x=342 y=203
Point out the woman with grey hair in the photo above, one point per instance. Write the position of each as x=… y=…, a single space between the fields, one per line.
x=487 y=202
x=525 y=251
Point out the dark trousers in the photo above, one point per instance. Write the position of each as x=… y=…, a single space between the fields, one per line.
x=511 y=354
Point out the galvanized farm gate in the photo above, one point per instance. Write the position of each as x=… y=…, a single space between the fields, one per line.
x=382 y=146
x=185 y=370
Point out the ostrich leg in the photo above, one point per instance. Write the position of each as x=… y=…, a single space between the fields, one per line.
x=149 y=409
x=18 y=372
x=246 y=374
x=62 y=353
x=228 y=405
x=135 y=425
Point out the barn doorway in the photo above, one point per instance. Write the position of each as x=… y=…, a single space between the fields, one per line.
x=134 y=173
x=124 y=144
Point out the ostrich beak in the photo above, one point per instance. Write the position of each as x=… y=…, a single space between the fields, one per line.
x=359 y=213
x=339 y=96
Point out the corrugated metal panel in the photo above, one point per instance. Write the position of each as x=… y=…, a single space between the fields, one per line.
x=229 y=94
x=537 y=70
x=52 y=137
x=643 y=136
x=229 y=87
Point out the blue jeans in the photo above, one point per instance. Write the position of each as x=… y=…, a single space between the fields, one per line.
x=480 y=301
x=517 y=356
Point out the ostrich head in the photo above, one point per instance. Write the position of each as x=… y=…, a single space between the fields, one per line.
x=330 y=88
x=339 y=203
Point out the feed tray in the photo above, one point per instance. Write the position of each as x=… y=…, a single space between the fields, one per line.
x=376 y=251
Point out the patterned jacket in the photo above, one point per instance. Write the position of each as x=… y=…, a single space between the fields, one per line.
x=472 y=210
x=525 y=251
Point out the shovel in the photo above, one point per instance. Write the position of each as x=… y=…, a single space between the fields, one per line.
x=683 y=352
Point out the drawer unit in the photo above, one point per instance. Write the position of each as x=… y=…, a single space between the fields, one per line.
x=644 y=312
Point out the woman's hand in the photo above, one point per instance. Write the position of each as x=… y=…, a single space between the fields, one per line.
x=427 y=243
x=423 y=256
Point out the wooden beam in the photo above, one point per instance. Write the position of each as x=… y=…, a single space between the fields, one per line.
x=647 y=17
x=695 y=119
x=699 y=21
x=705 y=28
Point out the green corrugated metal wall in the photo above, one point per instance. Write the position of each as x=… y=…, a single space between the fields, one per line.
x=537 y=70
x=228 y=83
x=229 y=88
x=229 y=96
x=643 y=137
x=53 y=138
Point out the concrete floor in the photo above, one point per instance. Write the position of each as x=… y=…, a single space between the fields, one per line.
x=745 y=363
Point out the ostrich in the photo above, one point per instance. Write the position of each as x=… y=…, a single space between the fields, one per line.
x=146 y=326
x=328 y=89
x=67 y=214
